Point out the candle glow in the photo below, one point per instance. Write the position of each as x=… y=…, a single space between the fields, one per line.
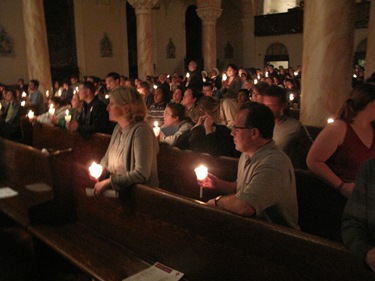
x=30 y=114
x=95 y=170
x=201 y=173
x=68 y=117
x=291 y=97
x=224 y=77
x=23 y=103
x=156 y=129
x=188 y=75
x=51 y=110
x=24 y=94
x=330 y=120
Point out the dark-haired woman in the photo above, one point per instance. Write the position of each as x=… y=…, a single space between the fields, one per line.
x=175 y=122
x=344 y=145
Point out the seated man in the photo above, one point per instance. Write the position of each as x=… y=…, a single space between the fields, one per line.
x=358 y=223
x=265 y=186
x=286 y=129
x=94 y=117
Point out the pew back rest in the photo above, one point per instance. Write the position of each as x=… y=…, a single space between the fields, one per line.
x=320 y=207
x=22 y=165
x=176 y=170
x=85 y=149
x=206 y=243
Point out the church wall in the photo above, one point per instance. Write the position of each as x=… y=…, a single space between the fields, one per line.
x=15 y=66
x=93 y=19
x=169 y=23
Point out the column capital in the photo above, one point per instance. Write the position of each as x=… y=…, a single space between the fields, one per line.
x=143 y=6
x=209 y=15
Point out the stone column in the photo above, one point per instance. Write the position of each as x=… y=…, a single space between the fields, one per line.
x=144 y=36
x=36 y=44
x=209 y=15
x=370 y=52
x=248 y=41
x=328 y=40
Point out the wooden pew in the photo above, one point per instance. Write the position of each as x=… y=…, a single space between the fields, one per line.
x=205 y=243
x=21 y=166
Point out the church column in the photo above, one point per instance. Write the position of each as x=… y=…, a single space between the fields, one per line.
x=248 y=33
x=144 y=36
x=36 y=43
x=209 y=15
x=328 y=39
x=370 y=52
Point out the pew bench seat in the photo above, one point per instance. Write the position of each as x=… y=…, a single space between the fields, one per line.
x=92 y=252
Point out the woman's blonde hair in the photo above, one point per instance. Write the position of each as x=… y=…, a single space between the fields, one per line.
x=126 y=95
x=360 y=97
x=210 y=106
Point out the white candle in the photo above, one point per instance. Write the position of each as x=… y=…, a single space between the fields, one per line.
x=74 y=92
x=24 y=94
x=291 y=97
x=267 y=74
x=67 y=116
x=95 y=170
x=201 y=173
x=224 y=77
x=255 y=81
x=1 y=106
x=188 y=75
x=295 y=73
x=47 y=93
x=258 y=77
x=30 y=114
x=156 y=129
x=23 y=103
x=51 y=110
x=155 y=87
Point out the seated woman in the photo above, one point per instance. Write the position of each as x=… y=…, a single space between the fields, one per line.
x=131 y=155
x=175 y=123
x=344 y=145
x=59 y=112
x=74 y=112
x=207 y=136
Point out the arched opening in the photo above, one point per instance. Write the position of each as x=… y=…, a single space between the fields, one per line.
x=193 y=27
x=277 y=55
x=360 y=53
x=280 y=6
x=131 y=22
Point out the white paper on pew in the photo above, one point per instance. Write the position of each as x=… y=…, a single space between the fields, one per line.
x=157 y=272
x=38 y=187
x=110 y=193
x=6 y=192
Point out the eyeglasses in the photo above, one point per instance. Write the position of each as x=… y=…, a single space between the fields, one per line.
x=241 y=128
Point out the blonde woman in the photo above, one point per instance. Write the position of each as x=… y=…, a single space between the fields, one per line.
x=131 y=155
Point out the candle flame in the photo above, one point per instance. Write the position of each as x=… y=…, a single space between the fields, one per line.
x=95 y=170
x=201 y=172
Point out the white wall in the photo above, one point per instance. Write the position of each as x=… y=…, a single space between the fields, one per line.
x=92 y=20
x=11 y=19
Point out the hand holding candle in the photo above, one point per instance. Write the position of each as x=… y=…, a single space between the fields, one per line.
x=156 y=129
x=201 y=173
x=95 y=170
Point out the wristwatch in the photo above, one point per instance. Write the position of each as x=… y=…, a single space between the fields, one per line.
x=217 y=199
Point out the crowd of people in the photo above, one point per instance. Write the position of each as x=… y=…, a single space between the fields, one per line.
x=239 y=113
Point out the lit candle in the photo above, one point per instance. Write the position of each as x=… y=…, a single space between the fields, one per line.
x=24 y=94
x=330 y=120
x=74 y=92
x=30 y=114
x=295 y=73
x=255 y=81
x=188 y=75
x=291 y=97
x=51 y=110
x=1 y=106
x=95 y=170
x=201 y=173
x=67 y=116
x=155 y=87
x=156 y=128
x=106 y=96
x=267 y=74
x=354 y=75
x=59 y=93
x=47 y=93
x=76 y=89
x=23 y=103
x=258 y=77
x=224 y=77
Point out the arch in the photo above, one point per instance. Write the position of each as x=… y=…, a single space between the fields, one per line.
x=193 y=33
x=277 y=52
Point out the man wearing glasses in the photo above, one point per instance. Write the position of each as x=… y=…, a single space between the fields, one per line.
x=265 y=186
